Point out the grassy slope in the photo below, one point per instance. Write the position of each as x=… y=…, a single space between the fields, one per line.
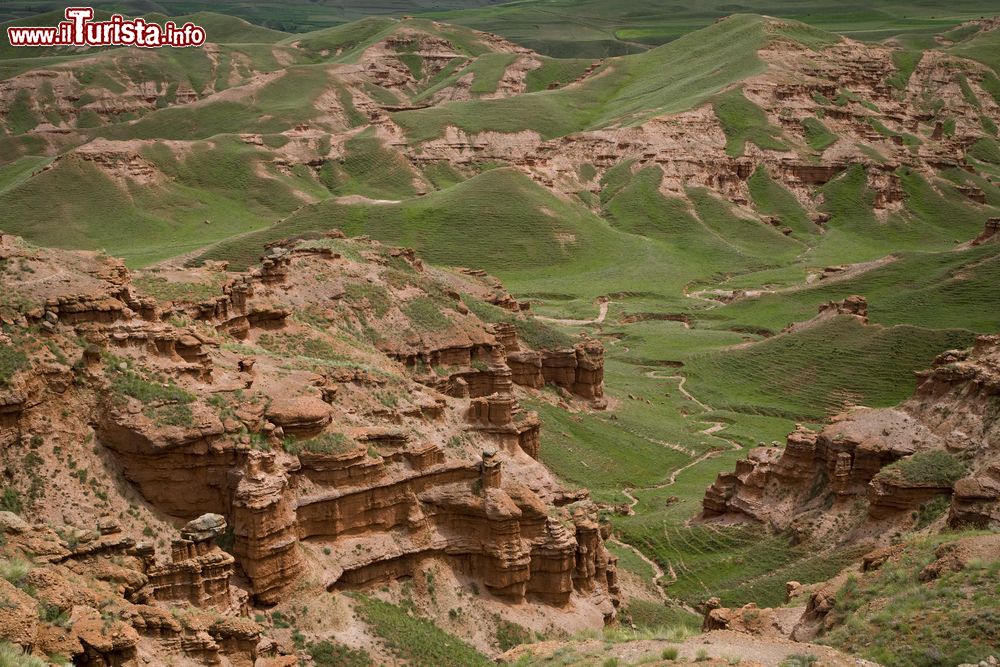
x=813 y=373
x=217 y=183
x=894 y=618
x=667 y=79
x=499 y=220
x=571 y=28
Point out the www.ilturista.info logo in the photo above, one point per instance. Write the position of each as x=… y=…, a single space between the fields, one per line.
x=79 y=30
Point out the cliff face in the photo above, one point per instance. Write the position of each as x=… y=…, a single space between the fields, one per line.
x=941 y=443
x=105 y=600
x=276 y=418
x=846 y=88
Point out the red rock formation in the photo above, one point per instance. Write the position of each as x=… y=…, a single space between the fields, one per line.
x=950 y=410
x=199 y=571
x=264 y=524
x=296 y=454
x=990 y=230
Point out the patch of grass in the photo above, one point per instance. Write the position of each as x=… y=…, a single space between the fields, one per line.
x=908 y=139
x=986 y=149
x=425 y=314
x=327 y=443
x=377 y=296
x=14 y=656
x=936 y=467
x=818 y=137
x=303 y=346
x=817 y=371
x=15 y=571
x=892 y=617
x=556 y=72
x=165 y=290
x=328 y=654
x=931 y=511
x=10 y=501
x=663 y=80
x=53 y=615
x=130 y=383
x=370 y=169
x=12 y=360
x=172 y=414
x=771 y=198
x=535 y=333
x=646 y=614
x=905 y=61
x=744 y=121
x=417 y=640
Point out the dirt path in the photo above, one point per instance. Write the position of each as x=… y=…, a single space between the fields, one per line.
x=602 y=313
x=712 y=429
x=59 y=273
x=850 y=271
x=659 y=375
x=658 y=573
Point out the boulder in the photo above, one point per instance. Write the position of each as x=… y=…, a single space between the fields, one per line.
x=204 y=528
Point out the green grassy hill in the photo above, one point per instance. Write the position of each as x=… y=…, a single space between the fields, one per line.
x=568 y=28
x=667 y=79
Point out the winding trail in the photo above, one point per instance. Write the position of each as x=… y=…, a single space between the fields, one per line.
x=713 y=428
x=659 y=375
x=658 y=572
x=602 y=314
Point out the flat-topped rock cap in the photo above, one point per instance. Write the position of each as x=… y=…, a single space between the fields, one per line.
x=298 y=411
x=204 y=528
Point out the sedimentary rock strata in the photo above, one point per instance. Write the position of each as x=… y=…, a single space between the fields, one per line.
x=951 y=415
x=264 y=425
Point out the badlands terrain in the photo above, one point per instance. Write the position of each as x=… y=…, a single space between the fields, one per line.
x=618 y=337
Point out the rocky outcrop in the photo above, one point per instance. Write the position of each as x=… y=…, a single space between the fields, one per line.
x=302 y=416
x=579 y=370
x=199 y=571
x=362 y=469
x=265 y=527
x=483 y=368
x=478 y=520
x=953 y=411
x=748 y=619
x=856 y=306
x=990 y=230
x=100 y=599
x=976 y=499
x=852 y=306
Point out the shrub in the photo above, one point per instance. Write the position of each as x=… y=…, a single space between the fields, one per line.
x=669 y=653
x=15 y=571
x=510 y=635
x=10 y=501
x=54 y=615
x=931 y=510
x=13 y=656
x=327 y=654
